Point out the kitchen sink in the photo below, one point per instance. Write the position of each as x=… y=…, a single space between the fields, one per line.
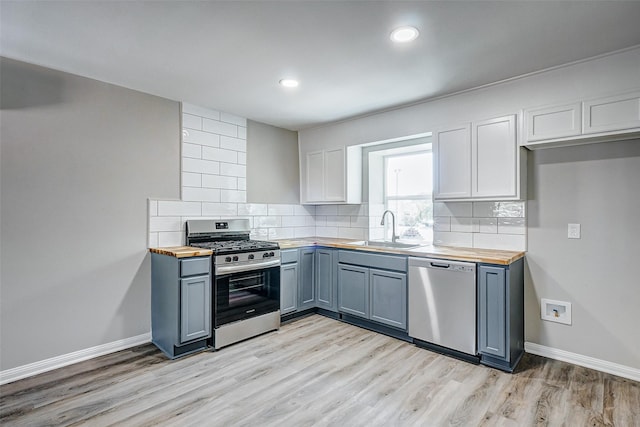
x=386 y=244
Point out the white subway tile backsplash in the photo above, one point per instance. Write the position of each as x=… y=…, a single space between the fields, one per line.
x=499 y=209
x=152 y=241
x=465 y=225
x=192 y=150
x=229 y=169
x=512 y=226
x=327 y=210
x=200 y=166
x=293 y=221
x=219 y=154
x=242 y=132
x=327 y=231
x=252 y=209
x=460 y=209
x=179 y=208
x=281 y=209
x=442 y=223
x=304 y=232
x=352 y=233
x=202 y=138
x=304 y=210
x=360 y=221
x=219 y=181
x=236 y=144
x=170 y=238
x=201 y=194
x=191 y=122
x=200 y=111
x=267 y=221
x=444 y=238
x=233 y=196
x=507 y=242
x=259 y=233
x=190 y=179
x=242 y=184
x=488 y=225
x=338 y=221
x=352 y=210
x=165 y=223
x=221 y=128
x=281 y=233
x=242 y=158
x=220 y=209
x=230 y=118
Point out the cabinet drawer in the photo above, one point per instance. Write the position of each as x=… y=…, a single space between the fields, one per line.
x=287 y=257
x=385 y=262
x=193 y=266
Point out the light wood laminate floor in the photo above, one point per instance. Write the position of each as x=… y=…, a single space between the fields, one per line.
x=317 y=371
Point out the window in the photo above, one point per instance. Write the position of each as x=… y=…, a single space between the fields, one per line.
x=408 y=185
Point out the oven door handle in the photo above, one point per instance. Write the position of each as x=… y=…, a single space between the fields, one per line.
x=242 y=268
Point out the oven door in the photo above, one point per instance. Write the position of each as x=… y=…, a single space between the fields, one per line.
x=247 y=294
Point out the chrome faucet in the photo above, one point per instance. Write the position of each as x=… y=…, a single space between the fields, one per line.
x=393 y=225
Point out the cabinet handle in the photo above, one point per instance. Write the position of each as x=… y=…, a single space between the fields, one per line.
x=433 y=264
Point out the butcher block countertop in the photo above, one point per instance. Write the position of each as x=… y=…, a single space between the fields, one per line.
x=489 y=256
x=181 y=251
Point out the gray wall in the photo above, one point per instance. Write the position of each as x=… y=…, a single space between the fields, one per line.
x=79 y=158
x=596 y=186
x=272 y=164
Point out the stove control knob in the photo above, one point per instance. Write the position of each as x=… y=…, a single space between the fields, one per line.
x=235 y=258
x=272 y=254
x=251 y=256
x=265 y=255
x=227 y=259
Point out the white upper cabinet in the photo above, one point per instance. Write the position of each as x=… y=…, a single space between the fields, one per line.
x=613 y=113
x=478 y=161
x=494 y=157
x=553 y=122
x=452 y=163
x=611 y=118
x=332 y=176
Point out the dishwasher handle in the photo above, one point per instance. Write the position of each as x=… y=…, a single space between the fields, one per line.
x=442 y=264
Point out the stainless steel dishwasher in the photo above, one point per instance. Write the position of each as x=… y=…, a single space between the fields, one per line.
x=442 y=305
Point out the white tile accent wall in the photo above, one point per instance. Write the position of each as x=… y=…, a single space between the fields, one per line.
x=488 y=225
x=214 y=187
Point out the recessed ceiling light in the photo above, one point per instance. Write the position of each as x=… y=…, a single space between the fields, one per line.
x=289 y=83
x=404 y=34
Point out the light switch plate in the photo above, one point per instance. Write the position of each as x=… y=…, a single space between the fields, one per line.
x=573 y=231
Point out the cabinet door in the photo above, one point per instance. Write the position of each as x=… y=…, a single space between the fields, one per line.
x=195 y=308
x=325 y=281
x=389 y=298
x=612 y=113
x=335 y=175
x=492 y=334
x=452 y=163
x=353 y=290
x=559 y=121
x=494 y=158
x=288 y=288
x=315 y=177
x=306 y=283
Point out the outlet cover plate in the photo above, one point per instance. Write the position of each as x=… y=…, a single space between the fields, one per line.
x=573 y=231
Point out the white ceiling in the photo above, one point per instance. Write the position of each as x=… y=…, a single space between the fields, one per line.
x=230 y=55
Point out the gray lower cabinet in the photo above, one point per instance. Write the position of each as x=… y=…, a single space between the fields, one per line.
x=289 y=287
x=388 y=298
x=353 y=290
x=306 y=283
x=501 y=314
x=326 y=279
x=180 y=303
x=372 y=293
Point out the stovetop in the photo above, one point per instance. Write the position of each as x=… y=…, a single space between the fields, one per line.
x=236 y=246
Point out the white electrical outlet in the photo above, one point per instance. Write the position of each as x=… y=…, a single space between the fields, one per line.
x=573 y=231
x=555 y=311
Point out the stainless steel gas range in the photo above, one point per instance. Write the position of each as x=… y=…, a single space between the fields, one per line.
x=246 y=282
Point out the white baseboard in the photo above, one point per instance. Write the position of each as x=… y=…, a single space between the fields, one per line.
x=14 y=374
x=586 y=361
